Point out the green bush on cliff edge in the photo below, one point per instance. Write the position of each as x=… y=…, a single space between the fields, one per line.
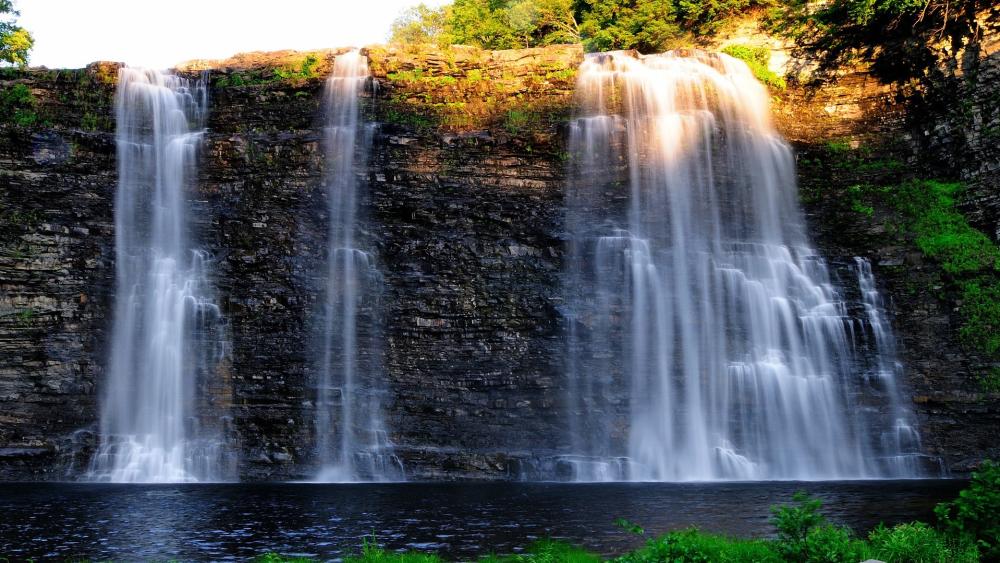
x=757 y=58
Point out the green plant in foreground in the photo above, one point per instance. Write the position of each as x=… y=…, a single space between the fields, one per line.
x=975 y=514
x=698 y=547
x=794 y=522
x=546 y=551
x=916 y=542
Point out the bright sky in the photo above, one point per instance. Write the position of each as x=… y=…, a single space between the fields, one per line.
x=72 y=33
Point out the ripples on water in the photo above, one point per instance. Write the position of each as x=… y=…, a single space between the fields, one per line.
x=227 y=522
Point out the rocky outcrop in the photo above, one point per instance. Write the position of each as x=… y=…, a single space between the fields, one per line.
x=464 y=210
x=57 y=183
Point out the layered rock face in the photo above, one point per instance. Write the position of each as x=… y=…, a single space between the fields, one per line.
x=464 y=209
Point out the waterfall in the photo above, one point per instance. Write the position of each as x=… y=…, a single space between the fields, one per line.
x=352 y=442
x=706 y=340
x=165 y=338
x=899 y=438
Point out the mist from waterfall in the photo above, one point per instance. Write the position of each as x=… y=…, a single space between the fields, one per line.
x=706 y=340
x=166 y=338
x=352 y=443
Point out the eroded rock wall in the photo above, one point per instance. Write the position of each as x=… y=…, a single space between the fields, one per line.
x=464 y=211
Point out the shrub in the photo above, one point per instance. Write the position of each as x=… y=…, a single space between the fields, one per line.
x=916 y=542
x=757 y=59
x=692 y=546
x=17 y=105
x=975 y=514
x=827 y=543
x=794 y=522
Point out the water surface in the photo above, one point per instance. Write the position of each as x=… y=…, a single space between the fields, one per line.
x=238 y=521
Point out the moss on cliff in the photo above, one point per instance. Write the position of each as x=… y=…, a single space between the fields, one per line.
x=970 y=261
x=524 y=93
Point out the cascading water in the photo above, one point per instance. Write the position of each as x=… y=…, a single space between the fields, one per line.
x=165 y=339
x=352 y=442
x=900 y=440
x=706 y=340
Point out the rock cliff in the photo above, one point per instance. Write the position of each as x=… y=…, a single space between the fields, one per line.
x=464 y=209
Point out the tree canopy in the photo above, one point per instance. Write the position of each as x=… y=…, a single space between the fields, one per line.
x=895 y=34
x=646 y=25
x=15 y=41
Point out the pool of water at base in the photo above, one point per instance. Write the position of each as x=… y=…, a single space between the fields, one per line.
x=457 y=520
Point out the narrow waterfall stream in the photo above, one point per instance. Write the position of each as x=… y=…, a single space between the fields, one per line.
x=352 y=443
x=706 y=338
x=166 y=336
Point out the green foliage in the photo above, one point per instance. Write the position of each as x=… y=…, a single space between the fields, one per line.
x=518 y=121
x=499 y=24
x=899 y=37
x=17 y=105
x=916 y=542
x=865 y=12
x=981 y=314
x=804 y=536
x=410 y=119
x=990 y=381
x=794 y=523
x=372 y=553
x=420 y=24
x=827 y=543
x=306 y=70
x=975 y=514
x=630 y=527
x=942 y=232
x=757 y=59
x=646 y=25
x=25 y=316
x=970 y=258
x=546 y=551
x=15 y=41
x=483 y=23
x=692 y=546
x=89 y=122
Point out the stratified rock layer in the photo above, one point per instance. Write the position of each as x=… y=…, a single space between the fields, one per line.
x=465 y=211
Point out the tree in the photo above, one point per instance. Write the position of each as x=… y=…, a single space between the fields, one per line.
x=647 y=25
x=15 y=41
x=421 y=24
x=483 y=23
x=554 y=21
